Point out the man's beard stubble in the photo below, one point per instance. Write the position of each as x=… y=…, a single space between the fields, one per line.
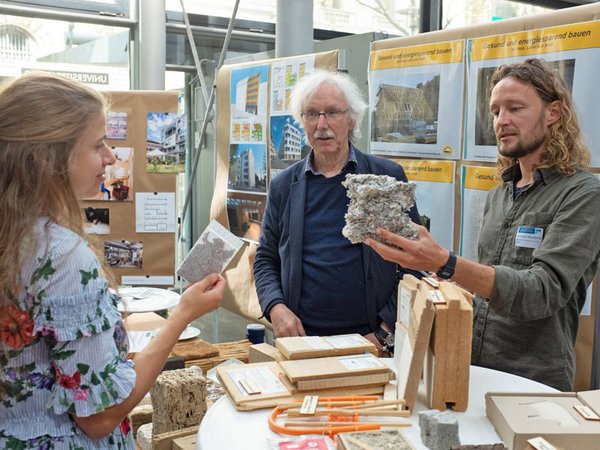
x=524 y=148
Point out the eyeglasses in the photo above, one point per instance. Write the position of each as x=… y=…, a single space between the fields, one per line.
x=331 y=116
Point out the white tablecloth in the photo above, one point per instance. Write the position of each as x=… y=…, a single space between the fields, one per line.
x=223 y=427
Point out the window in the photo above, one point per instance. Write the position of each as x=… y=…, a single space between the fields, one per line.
x=97 y=55
x=17 y=46
x=460 y=13
x=117 y=7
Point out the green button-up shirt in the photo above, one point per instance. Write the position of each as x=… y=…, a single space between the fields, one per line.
x=529 y=325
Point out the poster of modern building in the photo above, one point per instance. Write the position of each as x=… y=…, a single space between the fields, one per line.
x=165 y=143
x=248 y=167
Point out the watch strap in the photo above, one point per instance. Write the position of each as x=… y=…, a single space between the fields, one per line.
x=385 y=338
x=447 y=270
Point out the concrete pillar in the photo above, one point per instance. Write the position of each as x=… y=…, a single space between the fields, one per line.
x=153 y=44
x=294 y=28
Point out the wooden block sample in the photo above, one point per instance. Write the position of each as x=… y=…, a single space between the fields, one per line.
x=449 y=357
x=165 y=441
x=343 y=381
x=185 y=443
x=407 y=291
x=178 y=400
x=139 y=416
x=226 y=350
x=302 y=347
x=333 y=367
x=264 y=385
x=264 y=352
x=411 y=346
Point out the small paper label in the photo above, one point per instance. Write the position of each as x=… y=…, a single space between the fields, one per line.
x=250 y=387
x=262 y=379
x=366 y=361
x=529 y=237
x=316 y=342
x=436 y=297
x=586 y=412
x=539 y=443
x=431 y=282
x=345 y=341
x=309 y=405
x=404 y=306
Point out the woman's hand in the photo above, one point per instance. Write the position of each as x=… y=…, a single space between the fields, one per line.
x=201 y=298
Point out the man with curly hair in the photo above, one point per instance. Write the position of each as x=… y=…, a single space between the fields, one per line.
x=539 y=244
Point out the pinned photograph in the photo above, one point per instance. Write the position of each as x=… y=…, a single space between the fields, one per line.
x=248 y=167
x=288 y=143
x=408 y=112
x=116 y=125
x=124 y=253
x=245 y=214
x=165 y=142
x=118 y=178
x=97 y=220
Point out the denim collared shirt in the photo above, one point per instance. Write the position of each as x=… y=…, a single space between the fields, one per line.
x=529 y=325
x=350 y=162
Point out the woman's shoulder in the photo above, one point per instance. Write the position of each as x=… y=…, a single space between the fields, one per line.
x=62 y=262
x=58 y=241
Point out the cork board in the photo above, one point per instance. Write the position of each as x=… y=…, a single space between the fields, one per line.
x=158 y=257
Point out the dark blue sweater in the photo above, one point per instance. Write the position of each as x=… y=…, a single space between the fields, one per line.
x=329 y=306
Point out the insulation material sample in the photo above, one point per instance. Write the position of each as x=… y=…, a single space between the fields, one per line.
x=211 y=253
x=379 y=439
x=178 y=400
x=378 y=201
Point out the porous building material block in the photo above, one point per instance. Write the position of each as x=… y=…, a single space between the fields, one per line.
x=378 y=439
x=178 y=400
x=378 y=201
x=439 y=430
x=140 y=415
x=143 y=436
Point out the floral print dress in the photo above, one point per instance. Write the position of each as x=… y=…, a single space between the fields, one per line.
x=63 y=349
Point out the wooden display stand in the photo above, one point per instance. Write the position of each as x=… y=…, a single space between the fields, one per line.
x=447 y=363
x=433 y=338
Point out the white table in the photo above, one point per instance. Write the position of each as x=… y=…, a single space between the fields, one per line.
x=223 y=427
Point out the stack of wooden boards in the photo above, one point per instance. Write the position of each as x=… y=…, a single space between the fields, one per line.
x=433 y=338
x=297 y=366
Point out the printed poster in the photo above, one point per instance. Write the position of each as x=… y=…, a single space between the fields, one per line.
x=434 y=195
x=248 y=141
x=287 y=138
x=476 y=182
x=574 y=50
x=416 y=100
x=284 y=76
x=248 y=93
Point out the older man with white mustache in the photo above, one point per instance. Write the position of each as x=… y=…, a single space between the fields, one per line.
x=310 y=279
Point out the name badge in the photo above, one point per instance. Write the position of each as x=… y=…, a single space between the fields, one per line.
x=529 y=237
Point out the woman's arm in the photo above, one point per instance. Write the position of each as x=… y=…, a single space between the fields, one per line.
x=196 y=301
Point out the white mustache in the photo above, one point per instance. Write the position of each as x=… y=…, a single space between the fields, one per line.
x=323 y=134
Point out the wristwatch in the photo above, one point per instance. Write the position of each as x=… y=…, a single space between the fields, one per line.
x=386 y=339
x=447 y=270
